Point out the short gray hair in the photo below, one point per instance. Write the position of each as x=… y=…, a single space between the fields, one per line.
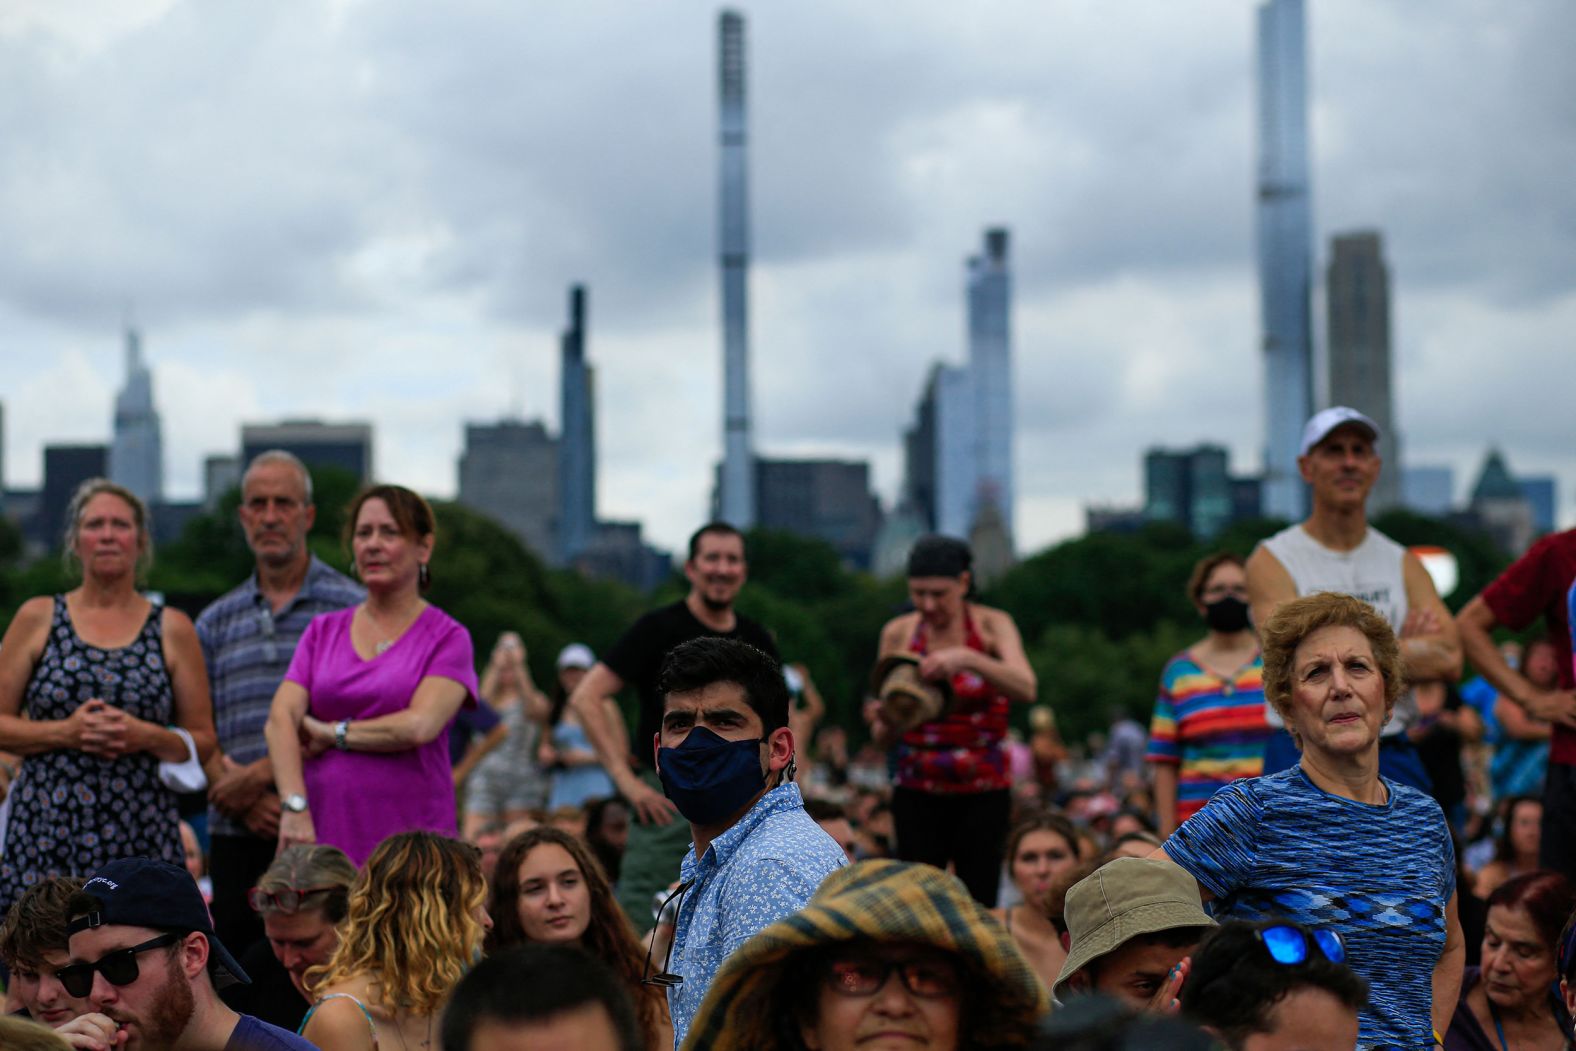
x=280 y=456
x=311 y=866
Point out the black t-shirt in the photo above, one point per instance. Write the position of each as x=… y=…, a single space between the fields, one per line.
x=271 y=996
x=637 y=658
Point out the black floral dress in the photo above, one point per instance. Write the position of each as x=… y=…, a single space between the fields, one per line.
x=71 y=812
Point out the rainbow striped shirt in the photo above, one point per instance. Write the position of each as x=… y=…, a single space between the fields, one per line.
x=1212 y=727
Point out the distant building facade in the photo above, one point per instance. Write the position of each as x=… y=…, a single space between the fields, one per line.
x=347 y=446
x=1500 y=508
x=1113 y=519
x=1540 y=493
x=1195 y=488
x=220 y=474
x=619 y=552
x=1428 y=490
x=136 y=454
x=940 y=478
x=65 y=468
x=826 y=499
x=509 y=472
x=1357 y=300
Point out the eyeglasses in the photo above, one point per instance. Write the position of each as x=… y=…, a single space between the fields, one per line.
x=927 y=978
x=288 y=900
x=666 y=979
x=1290 y=945
x=118 y=967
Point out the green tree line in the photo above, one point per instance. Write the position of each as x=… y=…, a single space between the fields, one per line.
x=1100 y=614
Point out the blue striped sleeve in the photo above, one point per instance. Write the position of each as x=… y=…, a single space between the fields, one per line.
x=1219 y=844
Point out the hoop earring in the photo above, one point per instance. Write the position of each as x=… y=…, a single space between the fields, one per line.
x=423 y=575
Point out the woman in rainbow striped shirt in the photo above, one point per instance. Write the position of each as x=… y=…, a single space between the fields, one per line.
x=1208 y=727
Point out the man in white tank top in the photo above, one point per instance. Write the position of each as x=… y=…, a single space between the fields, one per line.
x=1335 y=550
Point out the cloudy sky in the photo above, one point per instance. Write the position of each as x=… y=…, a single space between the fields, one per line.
x=373 y=208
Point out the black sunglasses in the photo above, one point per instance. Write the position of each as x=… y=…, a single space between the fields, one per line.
x=118 y=967
x=666 y=979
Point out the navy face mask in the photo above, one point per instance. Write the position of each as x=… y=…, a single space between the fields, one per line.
x=710 y=778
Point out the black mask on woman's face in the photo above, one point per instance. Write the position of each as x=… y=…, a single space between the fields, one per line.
x=1227 y=615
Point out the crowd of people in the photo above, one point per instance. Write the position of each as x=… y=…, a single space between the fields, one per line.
x=1323 y=841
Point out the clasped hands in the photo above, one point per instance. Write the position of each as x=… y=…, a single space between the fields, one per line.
x=103 y=730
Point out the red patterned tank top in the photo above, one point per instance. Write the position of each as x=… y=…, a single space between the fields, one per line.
x=962 y=751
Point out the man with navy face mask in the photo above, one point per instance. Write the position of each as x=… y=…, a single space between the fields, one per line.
x=725 y=757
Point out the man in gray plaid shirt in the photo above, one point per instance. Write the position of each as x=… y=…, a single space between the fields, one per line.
x=248 y=637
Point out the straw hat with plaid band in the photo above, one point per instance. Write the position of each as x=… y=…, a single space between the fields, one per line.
x=884 y=901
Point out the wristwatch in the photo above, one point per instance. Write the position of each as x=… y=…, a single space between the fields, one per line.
x=342 y=728
x=294 y=802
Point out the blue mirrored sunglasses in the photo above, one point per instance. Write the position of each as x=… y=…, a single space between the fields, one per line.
x=1290 y=945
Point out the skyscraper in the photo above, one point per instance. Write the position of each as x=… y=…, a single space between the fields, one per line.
x=1357 y=300
x=1285 y=245
x=136 y=455
x=990 y=362
x=737 y=496
x=577 y=442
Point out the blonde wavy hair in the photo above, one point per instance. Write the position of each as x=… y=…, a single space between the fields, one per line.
x=412 y=923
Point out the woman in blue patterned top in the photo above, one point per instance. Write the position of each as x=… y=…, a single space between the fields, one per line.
x=1331 y=843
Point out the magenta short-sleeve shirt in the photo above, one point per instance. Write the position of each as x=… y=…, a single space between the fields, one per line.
x=358 y=799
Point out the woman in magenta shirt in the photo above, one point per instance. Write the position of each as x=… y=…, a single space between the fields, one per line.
x=359 y=730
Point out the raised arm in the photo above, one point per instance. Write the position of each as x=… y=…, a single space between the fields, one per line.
x=1434 y=654
x=601 y=725
x=1475 y=622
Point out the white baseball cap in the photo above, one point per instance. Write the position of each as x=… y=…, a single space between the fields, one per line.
x=576 y=655
x=1322 y=423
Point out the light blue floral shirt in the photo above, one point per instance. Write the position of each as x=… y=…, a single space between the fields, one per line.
x=763 y=868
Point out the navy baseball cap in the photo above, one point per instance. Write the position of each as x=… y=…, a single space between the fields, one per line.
x=142 y=892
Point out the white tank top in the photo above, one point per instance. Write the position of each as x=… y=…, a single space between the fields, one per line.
x=1371 y=571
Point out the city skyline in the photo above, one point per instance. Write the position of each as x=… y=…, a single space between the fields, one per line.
x=388 y=236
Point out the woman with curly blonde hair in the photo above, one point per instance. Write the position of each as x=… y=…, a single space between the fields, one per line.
x=417 y=919
x=549 y=888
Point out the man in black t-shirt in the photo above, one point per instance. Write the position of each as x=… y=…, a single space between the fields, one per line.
x=657 y=838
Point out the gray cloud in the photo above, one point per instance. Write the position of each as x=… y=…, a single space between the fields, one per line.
x=373 y=209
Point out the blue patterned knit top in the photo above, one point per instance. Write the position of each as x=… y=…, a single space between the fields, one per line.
x=1279 y=846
